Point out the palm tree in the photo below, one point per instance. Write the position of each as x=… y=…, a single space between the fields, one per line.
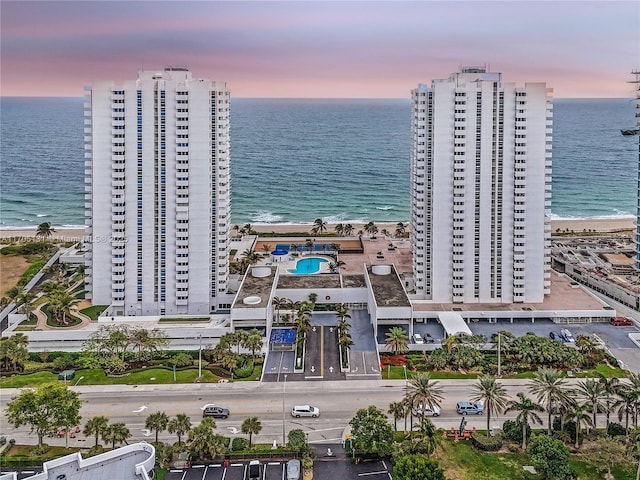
x=526 y=409
x=179 y=425
x=369 y=228
x=116 y=433
x=421 y=390
x=626 y=404
x=551 y=390
x=60 y=304
x=253 y=342
x=251 y=426
x=610 y=391
x=401 y=228
x=157 y=422
x=427 y=435
x=236 y=228
x=250 y=257
x=313 y=298
x=44 y=230
x=147 y=341
x=592 y=391
x=342 y=312
x=339 y=229
x=580 y=415
x=397 y=340
x=335 y=266
x=492 y=394
x=452 y=341
x=230 y=361
x=24 y=302
x=302 y=321
x=266 y=248
x=398 y=410
x=279 y=303
x=202 y=438
x=348 y=229
x=95 y=426
x=319 y=226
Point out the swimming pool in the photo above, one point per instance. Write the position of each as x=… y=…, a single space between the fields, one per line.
x=307 y=266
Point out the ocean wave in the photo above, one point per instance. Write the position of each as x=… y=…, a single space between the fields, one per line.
x=40 y=215
x=386 y=207
x=617 y=216
x=265 y=217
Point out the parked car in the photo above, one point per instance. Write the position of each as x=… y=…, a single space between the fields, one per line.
x=215 y=412
x=567 y=336
x=254 y=469
x=305 y=411
x=465 y=408
x=621 y=321
x=417 y=338
x=555 y=336
x=421 y=410
x=293 y=469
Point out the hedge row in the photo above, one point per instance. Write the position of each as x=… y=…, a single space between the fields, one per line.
x=486 y=443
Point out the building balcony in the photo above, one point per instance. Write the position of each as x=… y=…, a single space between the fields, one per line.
x=117 y=184
x=180 y=302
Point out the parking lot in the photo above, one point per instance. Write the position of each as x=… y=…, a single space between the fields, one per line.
x=235 y=471
x=337 y=469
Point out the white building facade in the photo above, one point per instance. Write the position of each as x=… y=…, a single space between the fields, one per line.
x=481 y=189
x=157 y=200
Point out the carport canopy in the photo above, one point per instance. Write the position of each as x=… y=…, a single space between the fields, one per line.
x=453 y=324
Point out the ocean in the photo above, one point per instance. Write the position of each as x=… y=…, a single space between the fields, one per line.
x=294 y=160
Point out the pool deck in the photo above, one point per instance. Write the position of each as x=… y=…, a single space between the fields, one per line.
x=394 y=251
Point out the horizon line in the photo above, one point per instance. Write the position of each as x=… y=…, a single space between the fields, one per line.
x=323 y=98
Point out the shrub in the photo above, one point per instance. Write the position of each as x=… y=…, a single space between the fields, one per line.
x=182 y=360
x=246 y=370
x=63 y=362
x=238 y=444
x=513 y=431
x=486 y=444
x=615 y=429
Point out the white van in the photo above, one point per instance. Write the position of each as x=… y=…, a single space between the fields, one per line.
x=305 y=411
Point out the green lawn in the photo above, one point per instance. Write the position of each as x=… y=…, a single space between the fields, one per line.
x=151 y=376
x=463 y=462
x=605 y=370
x=94 y=311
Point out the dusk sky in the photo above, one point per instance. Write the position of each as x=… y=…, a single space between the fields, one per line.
x=321 y=49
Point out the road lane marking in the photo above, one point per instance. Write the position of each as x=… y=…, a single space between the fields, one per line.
x=322 y=351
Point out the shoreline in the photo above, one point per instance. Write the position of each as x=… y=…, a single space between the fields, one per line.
x=598 y=225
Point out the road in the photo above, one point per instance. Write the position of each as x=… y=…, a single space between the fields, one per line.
x=338 y=402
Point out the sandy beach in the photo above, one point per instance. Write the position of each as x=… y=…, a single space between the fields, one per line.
x=605 y=225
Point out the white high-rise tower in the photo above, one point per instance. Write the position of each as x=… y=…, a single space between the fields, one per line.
x=481 y=189
x=157 y=194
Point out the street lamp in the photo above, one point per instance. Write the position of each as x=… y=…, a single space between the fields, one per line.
x=78 y=381
x=284 y=388
x=199 y=356
x=499 y=335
